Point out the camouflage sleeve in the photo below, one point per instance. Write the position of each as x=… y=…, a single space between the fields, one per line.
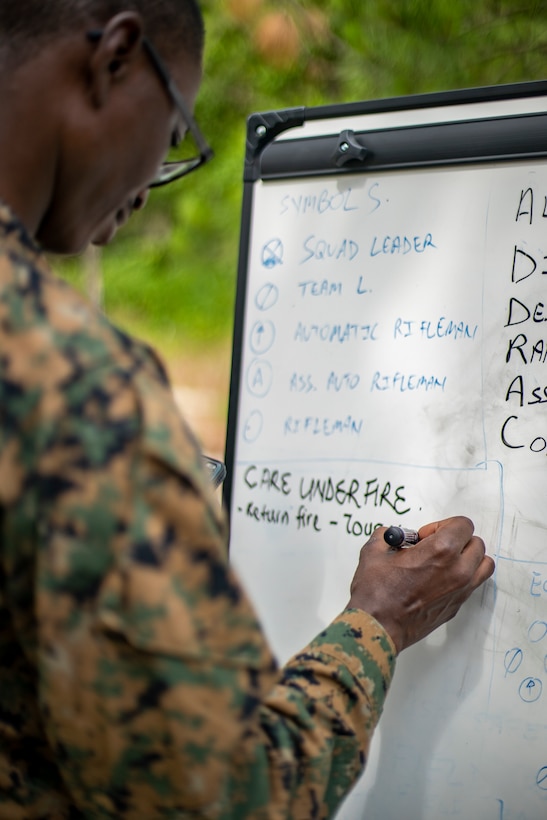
x=160 y=694
x=316 y=725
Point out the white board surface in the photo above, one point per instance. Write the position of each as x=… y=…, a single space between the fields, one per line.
x=394 y=371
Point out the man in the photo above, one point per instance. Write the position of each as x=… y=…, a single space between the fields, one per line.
x=135 y=681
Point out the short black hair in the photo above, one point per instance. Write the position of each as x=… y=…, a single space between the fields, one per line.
x=175 y=23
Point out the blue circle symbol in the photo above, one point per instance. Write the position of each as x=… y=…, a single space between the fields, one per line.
x=537 y=631
x=272 y=253
x=259 y=378
x=262 y=337
x=513 y=660
x=541 y=779
x=530 y=690
x=267 y=296
x=253 y=427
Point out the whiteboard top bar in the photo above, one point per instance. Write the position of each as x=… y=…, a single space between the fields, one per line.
x=423 y=116
x=271 y=128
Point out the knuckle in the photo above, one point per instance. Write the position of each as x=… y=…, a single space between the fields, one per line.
x=442 y=546
x=465 y=523
x=461 y=576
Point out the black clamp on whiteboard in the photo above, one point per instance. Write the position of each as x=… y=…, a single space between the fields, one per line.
x=261 y=130
x=348 y=149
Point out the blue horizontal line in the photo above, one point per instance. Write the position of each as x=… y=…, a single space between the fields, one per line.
x=519 y=560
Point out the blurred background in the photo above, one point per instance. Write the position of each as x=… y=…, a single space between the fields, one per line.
x=170 y=276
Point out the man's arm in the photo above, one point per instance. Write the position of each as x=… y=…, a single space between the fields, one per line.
x=335 y=689
x=315 y=727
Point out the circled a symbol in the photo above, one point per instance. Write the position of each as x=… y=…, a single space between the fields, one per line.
x=253 y=427
x=530 y=690
x=262 y=337
x=259 y=378
x=267 y=296
x=272 y=253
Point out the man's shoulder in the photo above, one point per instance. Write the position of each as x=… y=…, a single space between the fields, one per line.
x=49 y=328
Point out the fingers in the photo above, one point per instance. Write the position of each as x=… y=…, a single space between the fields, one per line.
x=457 y=529
x=473 y=558
x=484 y=571
x=455 y=535
x=451 y=540
x=454 y=531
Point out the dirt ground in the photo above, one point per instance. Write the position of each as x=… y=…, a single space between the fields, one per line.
x=201 y=385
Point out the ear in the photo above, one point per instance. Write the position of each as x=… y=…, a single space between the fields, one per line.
x=120 y=45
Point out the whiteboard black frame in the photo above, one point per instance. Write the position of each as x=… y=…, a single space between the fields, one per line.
x=492 y=139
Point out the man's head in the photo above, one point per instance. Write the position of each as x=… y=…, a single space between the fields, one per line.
x=87 y=115
x=25 y=25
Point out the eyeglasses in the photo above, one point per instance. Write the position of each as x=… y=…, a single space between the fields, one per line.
x=175 y=167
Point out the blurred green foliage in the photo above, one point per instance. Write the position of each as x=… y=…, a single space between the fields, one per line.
x=170 y=275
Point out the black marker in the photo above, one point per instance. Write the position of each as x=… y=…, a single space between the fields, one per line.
x=400 y=537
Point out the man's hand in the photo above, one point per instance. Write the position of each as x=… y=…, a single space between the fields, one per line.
x=413 y=591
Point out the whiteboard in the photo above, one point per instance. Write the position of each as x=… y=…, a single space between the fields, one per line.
x=391 y=368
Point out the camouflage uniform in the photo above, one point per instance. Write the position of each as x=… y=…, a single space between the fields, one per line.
x=135 y=681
